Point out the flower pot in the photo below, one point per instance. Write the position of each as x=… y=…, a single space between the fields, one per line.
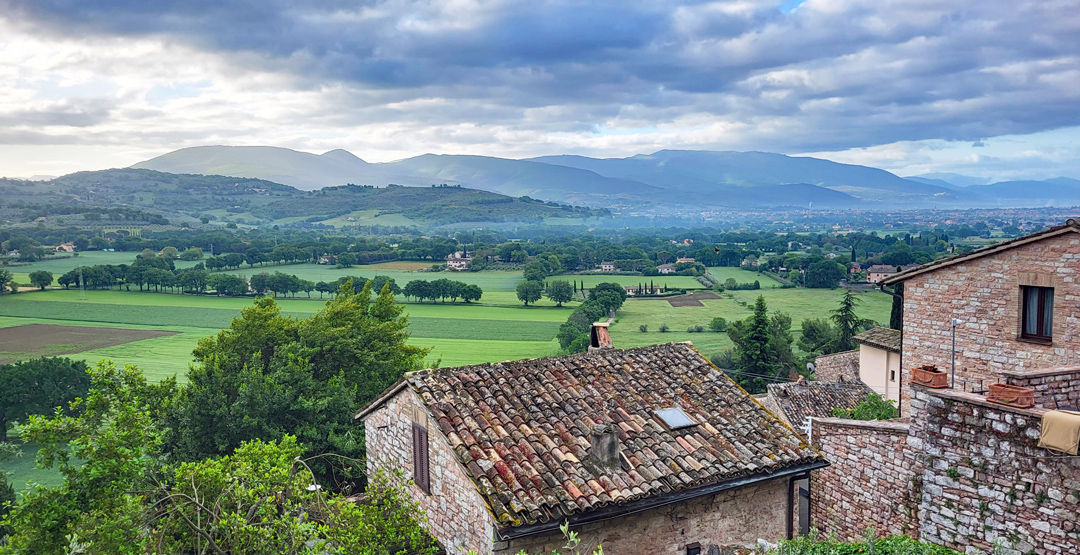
x=930 y=376
x=1012 y=395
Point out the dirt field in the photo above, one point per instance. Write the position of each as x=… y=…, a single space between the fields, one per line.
x=691 y=299
x=42 y=340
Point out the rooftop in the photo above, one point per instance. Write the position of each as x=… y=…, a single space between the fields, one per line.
x=882 y=338
x=800 y=400
x=522 y=430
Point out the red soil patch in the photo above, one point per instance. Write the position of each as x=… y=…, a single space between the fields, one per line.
x=43 y=340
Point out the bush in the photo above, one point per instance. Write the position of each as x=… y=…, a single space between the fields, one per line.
x=874 y=407
x=695 y=329
x=643 y=328
x=718 y=324
x=664 y=328
x=892 y=545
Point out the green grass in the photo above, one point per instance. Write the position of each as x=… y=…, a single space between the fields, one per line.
x=88 y=258
x=365 y=217
x=721 y=273
x=799 y=303
x=23 y=469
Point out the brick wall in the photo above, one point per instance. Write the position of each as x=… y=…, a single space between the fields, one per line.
x=871 y=480
x=984 y=293
x=1050 y=385
x=985 y=476
x=831 y=368
x=457 y=515
x=738 y=516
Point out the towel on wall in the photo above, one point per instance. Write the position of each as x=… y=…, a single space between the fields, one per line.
x=1060 y=431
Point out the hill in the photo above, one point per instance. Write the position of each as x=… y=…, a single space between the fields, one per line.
x=139 y=195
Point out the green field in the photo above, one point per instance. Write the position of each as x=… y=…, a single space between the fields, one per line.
x=799 y=303
x=672 y=282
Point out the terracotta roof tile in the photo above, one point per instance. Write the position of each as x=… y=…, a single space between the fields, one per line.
x=800 y=400
x=521 y=429
x=882 y=338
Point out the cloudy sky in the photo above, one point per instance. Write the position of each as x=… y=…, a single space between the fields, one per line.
x=980 y=87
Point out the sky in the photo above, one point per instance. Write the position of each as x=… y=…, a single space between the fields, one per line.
x=979 y=87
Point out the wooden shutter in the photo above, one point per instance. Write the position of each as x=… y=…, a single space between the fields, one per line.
x=421 y=471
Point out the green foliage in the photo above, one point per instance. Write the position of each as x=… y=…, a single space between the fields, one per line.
x=718 y=324
x=874 y=407
x=41 y=279
x=529 y=291
x=268 y=375
x=817 y=336
x=892 y=545
x=38 y=386
x=762 y=348
x=848 y=324
x=664 y=328
x=106 y=454
x=559 y=292
x=5 y=279
x=824 y=274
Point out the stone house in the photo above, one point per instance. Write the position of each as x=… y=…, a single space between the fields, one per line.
x=645 y=450
x=879 y=361
x=1016 y=306
x=458 y=261
x=607 y=266
x=880 y=272
x=666 y=268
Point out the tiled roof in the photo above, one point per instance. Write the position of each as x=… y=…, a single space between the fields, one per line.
x=522 y=429
x=799 y=400
x=882 y=338
x=882 y=269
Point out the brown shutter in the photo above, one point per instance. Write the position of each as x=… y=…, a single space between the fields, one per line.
x=421 y=471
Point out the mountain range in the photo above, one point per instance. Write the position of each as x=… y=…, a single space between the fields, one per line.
x=678 y=178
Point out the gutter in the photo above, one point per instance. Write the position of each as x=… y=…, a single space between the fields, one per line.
x=641 y=505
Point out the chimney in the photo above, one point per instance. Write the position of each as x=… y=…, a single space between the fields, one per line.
x=604 y=447
x=599 y=337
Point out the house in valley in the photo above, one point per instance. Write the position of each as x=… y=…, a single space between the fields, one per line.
x=1016 y=308
x=607 y=266
x=879 y=272
x=644 y=450
x=458 y=261
x=666 y=269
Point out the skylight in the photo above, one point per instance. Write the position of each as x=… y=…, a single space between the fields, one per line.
x=675 y=418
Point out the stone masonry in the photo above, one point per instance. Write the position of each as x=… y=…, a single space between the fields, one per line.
x=738 y=516
x=1050 y=384
x=870 y=480
x=456 y=513
x=986 y=478
x=837 y=367
x=984 y=294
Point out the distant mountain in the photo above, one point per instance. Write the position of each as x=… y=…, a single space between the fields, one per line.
x=1059 y=191
x=672 y=178
x=954 y=179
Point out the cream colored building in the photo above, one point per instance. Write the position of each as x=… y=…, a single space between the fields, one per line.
x=879 y=361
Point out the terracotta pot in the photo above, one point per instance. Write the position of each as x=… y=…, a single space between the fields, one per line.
x=930 y=376
x=1012 y=395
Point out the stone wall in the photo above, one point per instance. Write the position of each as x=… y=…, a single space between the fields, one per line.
x=984 y=293
x=1050 y=385
x=986 y=478
x=457 y=515
x=837 y=367
x=739 y=516
x=871 y=480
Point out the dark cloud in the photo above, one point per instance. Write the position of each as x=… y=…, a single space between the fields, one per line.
x=846 y=74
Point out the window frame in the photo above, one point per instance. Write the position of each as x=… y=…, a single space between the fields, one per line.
x=421 y=458
x=1041 y=335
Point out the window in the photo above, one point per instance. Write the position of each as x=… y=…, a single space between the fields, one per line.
x=1037 y=312
x=892 y=375
x=421 y=472
x=675 y=418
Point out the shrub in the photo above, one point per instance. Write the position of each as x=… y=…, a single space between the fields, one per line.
x=643 y=328
x=874 y=407
x=695 y=329
x=718 y=324
x=664 y=328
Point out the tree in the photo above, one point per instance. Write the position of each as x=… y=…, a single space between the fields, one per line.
x=529 y=291
x=471 y=292
x=170 y=253
x=5 y=279
x=817 y=336
x=268 y=375
x=38 y=386
x=762 y=348
x=824 y=274
x=560 y=292
x=718 y=324
x=41 y=279
x=192 y=253
x=848 y=324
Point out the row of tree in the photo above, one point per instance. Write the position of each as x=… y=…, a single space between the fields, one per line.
x=442 y=289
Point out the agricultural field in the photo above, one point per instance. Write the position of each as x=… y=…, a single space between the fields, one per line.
x=722 y=273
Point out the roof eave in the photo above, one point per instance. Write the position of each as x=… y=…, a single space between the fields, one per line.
x=1072 y=226
x=655 y=502
x=383 y=397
